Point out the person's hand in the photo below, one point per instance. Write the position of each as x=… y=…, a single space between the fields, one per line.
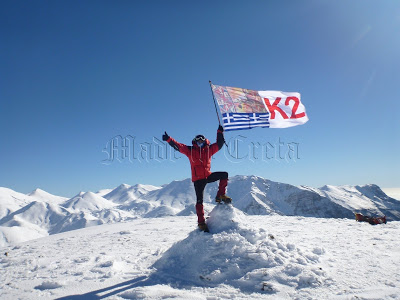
x=165 y=136
x=220 y=128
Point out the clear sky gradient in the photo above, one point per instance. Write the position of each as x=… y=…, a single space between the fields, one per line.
x=76 y=74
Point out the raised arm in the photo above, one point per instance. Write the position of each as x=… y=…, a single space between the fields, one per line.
x=174 y=144
x=214 y=148
x=220 y=137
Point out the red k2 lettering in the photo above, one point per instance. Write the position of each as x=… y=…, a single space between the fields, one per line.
x=273 y=108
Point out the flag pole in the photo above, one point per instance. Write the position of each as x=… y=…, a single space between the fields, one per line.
x=215 y=104
x=216 y=110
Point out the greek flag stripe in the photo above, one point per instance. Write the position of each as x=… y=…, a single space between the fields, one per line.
x=236 y=121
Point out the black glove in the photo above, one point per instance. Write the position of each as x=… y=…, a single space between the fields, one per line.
x=220 y=128
x=165 y=136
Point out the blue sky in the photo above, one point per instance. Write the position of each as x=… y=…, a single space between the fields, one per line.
x=76 y=74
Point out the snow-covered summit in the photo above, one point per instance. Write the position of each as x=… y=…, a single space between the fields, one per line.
x=366 y=199
x=256 y=195
x=126 y=193
x=47 y=197
x=88 y=201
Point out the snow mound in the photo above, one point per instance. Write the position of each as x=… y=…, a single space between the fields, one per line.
x=238 y=254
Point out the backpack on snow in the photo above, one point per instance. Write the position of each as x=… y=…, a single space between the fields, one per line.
x=370 y=220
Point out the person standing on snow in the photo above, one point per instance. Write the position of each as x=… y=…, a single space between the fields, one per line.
x=199 y=155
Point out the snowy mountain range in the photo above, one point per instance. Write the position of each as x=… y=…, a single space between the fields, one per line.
x=25 y=217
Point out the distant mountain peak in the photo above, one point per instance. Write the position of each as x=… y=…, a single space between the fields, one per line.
x=124 y=186
x=42 y=195
x=39 y=191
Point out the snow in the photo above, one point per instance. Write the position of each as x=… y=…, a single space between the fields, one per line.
x=253 y=195
x=103 y=192
x=12 y=235
x=11 y=201
x=125 y=193
x=41 y=195
x=278 y=241
x=87 y=202
x=237 y=254
x=363 y=202
x=243 y=257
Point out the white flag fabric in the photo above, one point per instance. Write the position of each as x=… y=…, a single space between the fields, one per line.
x=246 y=109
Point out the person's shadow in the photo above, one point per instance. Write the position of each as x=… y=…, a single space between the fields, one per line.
x=154 y=278
x=111 y=290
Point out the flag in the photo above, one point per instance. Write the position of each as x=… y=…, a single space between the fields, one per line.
x=246 y=109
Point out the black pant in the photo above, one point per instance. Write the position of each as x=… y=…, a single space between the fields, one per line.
x=199 y=185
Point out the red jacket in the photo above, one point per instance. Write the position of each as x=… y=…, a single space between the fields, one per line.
x=200 y=158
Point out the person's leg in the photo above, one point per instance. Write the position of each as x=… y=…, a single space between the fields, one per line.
x=223 y=181
x=199 y=186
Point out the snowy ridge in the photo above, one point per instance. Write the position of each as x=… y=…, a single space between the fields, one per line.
x=126 y=193
x=177 y=194
x=41 y=195
x=87 y=202
x=11 y=201
x=42 y=213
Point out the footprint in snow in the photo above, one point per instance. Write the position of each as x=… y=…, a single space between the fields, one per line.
x=48 y=285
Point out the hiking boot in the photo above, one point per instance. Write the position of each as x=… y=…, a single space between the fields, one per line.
x=223 y=198
x=203 y=227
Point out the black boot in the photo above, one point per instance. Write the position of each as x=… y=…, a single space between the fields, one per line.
x=203 y=227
